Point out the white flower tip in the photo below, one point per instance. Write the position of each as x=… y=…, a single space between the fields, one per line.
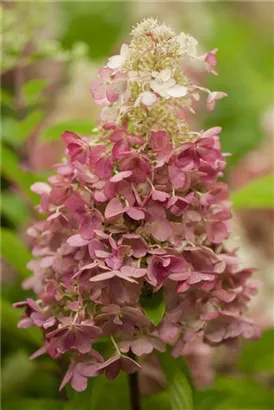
x=177 y=91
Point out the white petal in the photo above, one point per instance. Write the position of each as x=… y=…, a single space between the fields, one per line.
x=109 y=114
x=124 y=51
x=138 y=100
x=158 y=87
x=165 y=75
x=177 y=91
x=148 y=98
x=170 y=83
x=115 y=62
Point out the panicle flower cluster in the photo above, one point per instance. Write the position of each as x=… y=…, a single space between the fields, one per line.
x=134 y=211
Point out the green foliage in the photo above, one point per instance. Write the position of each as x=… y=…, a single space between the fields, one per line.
x=9 y=131
x=15 y=252
x=16 y=132
x=34 y=404
x=243 y=393
x=85 y=20
x=209 y=399
x=6 y=98
x=32 y=90
x=12 y=171
x=257 y=194
x=13 y=379
x=180 y=389
x=244 y=48
x=81 y=401
x=258 y=356
x=54 y=131
x=110 y=394
x=101 y=393
x=154 y=307
x=159 y=401
x=9 y=320
x=234 y=393
x=14 y=208
x=28 y=125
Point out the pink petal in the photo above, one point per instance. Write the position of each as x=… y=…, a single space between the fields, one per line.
x=212 y=98
x=112 y=94
x=120 y=148
x=197 y=277
x=224 y=295
x=38 y=353
x=133 y=272
x=103 y=168
x=105 y=73
x=102 y=254
x=129 y=365
x=136 y=214
x=179 y=276
x=79 y=382
x=141 y=346
x=159 y=140
x=135 y=139
x=102 y=276
x=124 y=276
x=118 y=135
x=120 y=176
x=177 y=176
x=114 y=208
x=77 y=241
x=161 y=230
x=89 y=223
x=40 y=188
x=211 y=132
x=67 y=377
x=160 y=196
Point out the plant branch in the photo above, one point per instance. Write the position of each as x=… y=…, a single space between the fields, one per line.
x=133 y=379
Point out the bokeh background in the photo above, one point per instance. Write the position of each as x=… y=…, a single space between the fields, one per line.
x=51 y=52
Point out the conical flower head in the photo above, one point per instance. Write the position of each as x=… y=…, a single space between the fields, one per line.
x=137 y=218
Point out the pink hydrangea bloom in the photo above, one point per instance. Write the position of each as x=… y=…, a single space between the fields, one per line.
x=141 y=212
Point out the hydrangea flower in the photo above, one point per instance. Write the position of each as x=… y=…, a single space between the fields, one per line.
x=138 y=215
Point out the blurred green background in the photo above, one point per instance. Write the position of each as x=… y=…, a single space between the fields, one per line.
x=51 y=52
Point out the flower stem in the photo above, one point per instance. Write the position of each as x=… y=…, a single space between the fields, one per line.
x=133 y=380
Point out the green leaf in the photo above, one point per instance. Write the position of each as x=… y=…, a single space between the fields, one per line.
x=6 y=98
x=16 y=371
x=88 y=21
x=258 y=356
x=9 y=131
x=26 y=126
x=79 y=126
x=80 y=401
x=32 y=90
x=257 y=194
x=209 y=399
x=159 y=401
x=34 y=404
x=15 y=252
x=180 y=387
x=110 y=394
x=154 y=306
x=95 y=397
x=9 y=320
x=12 y=171
x=240 y=118
x=242 y=393
x=14 y=208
